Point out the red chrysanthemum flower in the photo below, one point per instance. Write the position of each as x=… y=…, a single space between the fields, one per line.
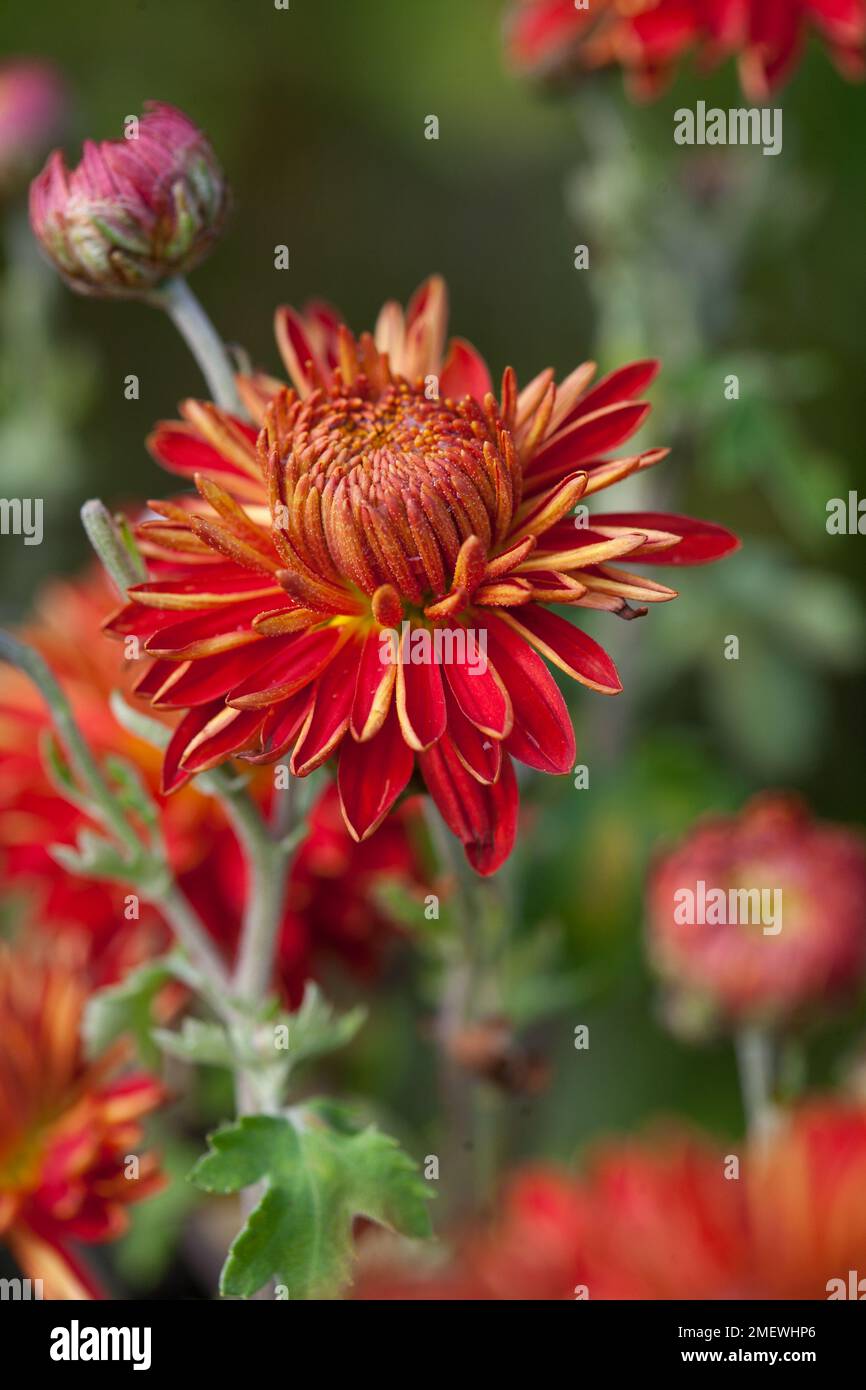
x=389 y=492
x=779 y=862
x=68 y=1129
x=648 y=37
x=666 y=1218
x=330 y=901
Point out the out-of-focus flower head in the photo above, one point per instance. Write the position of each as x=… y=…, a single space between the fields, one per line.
x=649 y=37
x=782 y=915
x=33 y=103
x=668 y=1217
x=70 y=1131
x=331 y=904
x=368 y=572
x=135 y=211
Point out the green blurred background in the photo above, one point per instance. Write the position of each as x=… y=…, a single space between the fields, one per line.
x=318 y=116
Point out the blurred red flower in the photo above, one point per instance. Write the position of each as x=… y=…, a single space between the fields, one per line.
x=648 y=37
x=33 y=103
x=665 y=1218
x=390 y=495
x=761 y=970
x=330 y=902
x=70 y=1130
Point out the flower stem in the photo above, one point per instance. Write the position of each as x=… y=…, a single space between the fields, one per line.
x=267 y=854
x=457 y=1088
x=756 y=1061
x=189 y=318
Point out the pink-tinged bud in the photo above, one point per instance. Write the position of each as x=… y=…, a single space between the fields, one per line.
x=136 y=210
x=32 y=109
x=758 y=918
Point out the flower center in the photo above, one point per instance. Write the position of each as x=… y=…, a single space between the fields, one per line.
x=382 y=486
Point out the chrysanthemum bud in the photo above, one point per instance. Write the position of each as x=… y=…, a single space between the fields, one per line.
x=756 y=918
x=32 y=107
x=136 y=210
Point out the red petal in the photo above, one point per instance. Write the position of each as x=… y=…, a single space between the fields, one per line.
x=702 y=541
x=373 y=688
x=569 y=648
x=196 y=682
x=481 y=695
x=133 y=620
x=297 y=351
x=329 y=717
x=281 y=727
x=182 y=451
x=542 y=736
x=483 y=818
x=420 y=697
x=173 y=775
x=372 y=775
x=220 y=629
x=465 y=372
x=621 y=385
x=298 y=661
x=585 y=437
x=478 y=752
x=232 y=730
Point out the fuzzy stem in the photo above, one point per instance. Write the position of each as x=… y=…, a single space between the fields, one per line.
x=756 y=1061
x=267 y=853
x=189 y=318
x=456 y=1086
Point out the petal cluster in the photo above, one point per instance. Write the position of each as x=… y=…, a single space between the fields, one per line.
x=330 y=906
x=648 y=37
x=68 y=1129
x=368 y=572
x=808 y=949
x=135 y=211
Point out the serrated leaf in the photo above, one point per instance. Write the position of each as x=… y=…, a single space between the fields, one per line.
x=318 y=1180
x=132 y=794
x=92 y=857
x=126 y=1009
x=197 y=1041
x=316 y=1028
x=60 y=774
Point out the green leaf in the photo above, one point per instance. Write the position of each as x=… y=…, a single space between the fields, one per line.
x=317 y=1181
x=316 y=1028
x=198 y=1041
x=60 y=774
x=126 y=1009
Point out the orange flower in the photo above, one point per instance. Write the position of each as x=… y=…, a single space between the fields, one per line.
x=668 y=1218
x=370 y=573
x=781 y=915
x=70 y=1132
